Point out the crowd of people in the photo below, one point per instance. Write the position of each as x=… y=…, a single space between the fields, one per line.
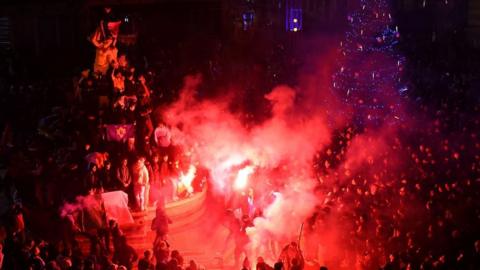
x=105 y=139
x=412 y=204
x=422 y=214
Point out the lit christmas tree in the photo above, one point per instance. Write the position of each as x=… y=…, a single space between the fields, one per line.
x=370 y=67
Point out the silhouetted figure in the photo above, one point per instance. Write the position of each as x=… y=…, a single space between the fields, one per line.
x=125 y=255
x=278 y=266
x=146 y=262
x=160 y=224
x=291 y=257
x=262 y=265
x=161 y=251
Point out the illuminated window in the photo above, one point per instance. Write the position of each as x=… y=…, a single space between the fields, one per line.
x=247 y=19
x=294 y=19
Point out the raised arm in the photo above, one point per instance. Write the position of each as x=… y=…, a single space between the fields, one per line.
x=94 y=39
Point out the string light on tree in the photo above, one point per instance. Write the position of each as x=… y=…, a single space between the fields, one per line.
x=369 y=75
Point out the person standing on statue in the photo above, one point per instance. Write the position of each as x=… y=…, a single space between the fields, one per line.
x=122 y=175
x=106 y=52
x=140 y=182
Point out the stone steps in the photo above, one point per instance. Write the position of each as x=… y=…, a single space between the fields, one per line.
x=185 y=235
x=194 y=232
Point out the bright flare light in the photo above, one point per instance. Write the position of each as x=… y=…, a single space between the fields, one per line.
x=242 y=177
x=186 y=179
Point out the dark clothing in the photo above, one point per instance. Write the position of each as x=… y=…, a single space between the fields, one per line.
x=116 y=234
x=130 y=88
x=117 y=116
x=161 y=266
x=123 y=177
x=91 y=180
x=145 y=264
x=130 y=116
x=263 y=266
x=126 y=256
x=106 y=179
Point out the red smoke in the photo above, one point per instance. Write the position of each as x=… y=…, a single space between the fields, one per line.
x=275 y=158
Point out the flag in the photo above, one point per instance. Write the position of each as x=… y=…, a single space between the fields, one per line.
x=114 y=28
x=119 y=133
